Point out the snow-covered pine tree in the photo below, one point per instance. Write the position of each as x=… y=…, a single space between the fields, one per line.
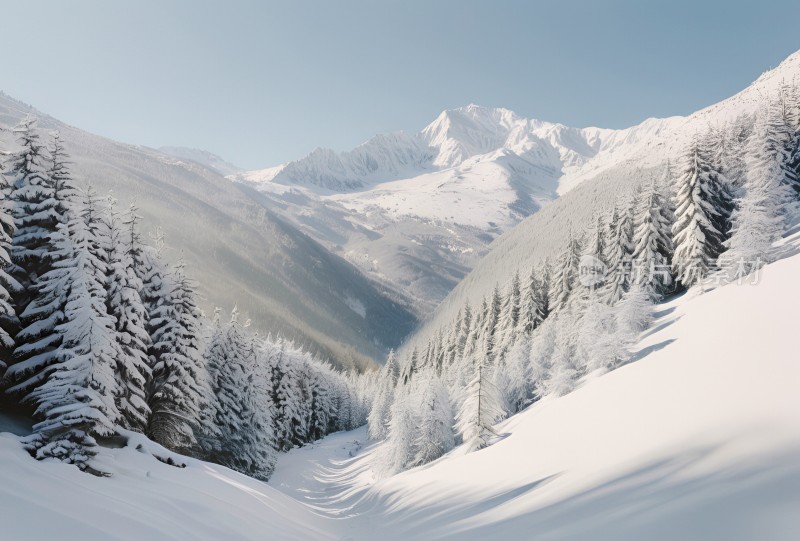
x=34 y=209
x=632 y=315
x=258 y=456
x=434 y=436
x=378 y=418
x=490 y=347
x=125 y=305
x=463 y=331
x=61 y=176
x=595 y=341
x=529 y=313
x=562 y=373
x=784 y=120
x=702 y=213
x=541 y=293
x=620 y=252
x=9 y=323
x=74 y=394
x=399 y=451
x=565 y=276
x=653 y=241
x=476 y=329
x=481 y=408
x=761 y=212
x=178 y=390
x=224 y=357
x=519 y=390
x=509 y=313
x=287 y=395
x=734 y=160
x=41 y=221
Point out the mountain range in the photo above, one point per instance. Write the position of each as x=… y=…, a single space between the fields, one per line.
x=420 y=211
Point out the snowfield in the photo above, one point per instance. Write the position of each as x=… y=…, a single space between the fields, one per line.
x=698 y=438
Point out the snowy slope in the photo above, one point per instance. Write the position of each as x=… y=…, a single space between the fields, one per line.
x=698 y=438
x=145 y=499
x=419 y=210
x=203 y=157
x=239 y=250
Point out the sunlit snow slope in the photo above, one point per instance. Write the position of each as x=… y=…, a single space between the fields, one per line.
x=697 y=439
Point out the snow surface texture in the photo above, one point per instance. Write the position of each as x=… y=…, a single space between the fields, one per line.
x=239 y=251
x=697 y=439
x=419 y=210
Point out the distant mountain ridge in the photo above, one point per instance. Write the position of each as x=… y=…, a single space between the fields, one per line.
x=203 y=157
x=418 y=211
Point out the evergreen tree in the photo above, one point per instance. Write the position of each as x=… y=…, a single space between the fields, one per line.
x=760 y=216
x=702 y=213
x=125 y=305
x=74 y=394
x=34 y=209
x=9 y=323
x=734 y=162
x=562 y=372
x=178 y=390
x=620 y=253
x=510 y=312
x=41 y=240
x=399 y=452
x=490 y=325
x=565 y=278
x=519 y=389
x=480 y=410
x=378 y=419
x=653 y=241
x=434 y=437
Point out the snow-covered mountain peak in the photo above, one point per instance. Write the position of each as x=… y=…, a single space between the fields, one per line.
x=458 y=134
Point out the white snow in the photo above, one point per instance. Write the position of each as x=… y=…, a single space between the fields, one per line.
x=698 y=438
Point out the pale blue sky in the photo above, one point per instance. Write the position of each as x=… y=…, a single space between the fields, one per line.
x=263 y=82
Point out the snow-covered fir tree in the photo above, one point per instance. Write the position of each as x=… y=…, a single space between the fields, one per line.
x=378 y=418
x=652 y=238
x=74 y=394
x=178 y=389
x=434 y=435
x=35 y=209
x=9 y=323
x=767 y=199
x=620 y=250
x=481 y=409
x=702 y=213
x=565 y=274
x=125 y=305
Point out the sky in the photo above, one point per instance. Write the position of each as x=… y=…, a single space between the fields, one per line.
x=261 y=83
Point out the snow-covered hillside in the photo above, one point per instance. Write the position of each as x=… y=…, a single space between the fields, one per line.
x=203 y=157
x=240 y=252
x=698 y=438
x=419 y=210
